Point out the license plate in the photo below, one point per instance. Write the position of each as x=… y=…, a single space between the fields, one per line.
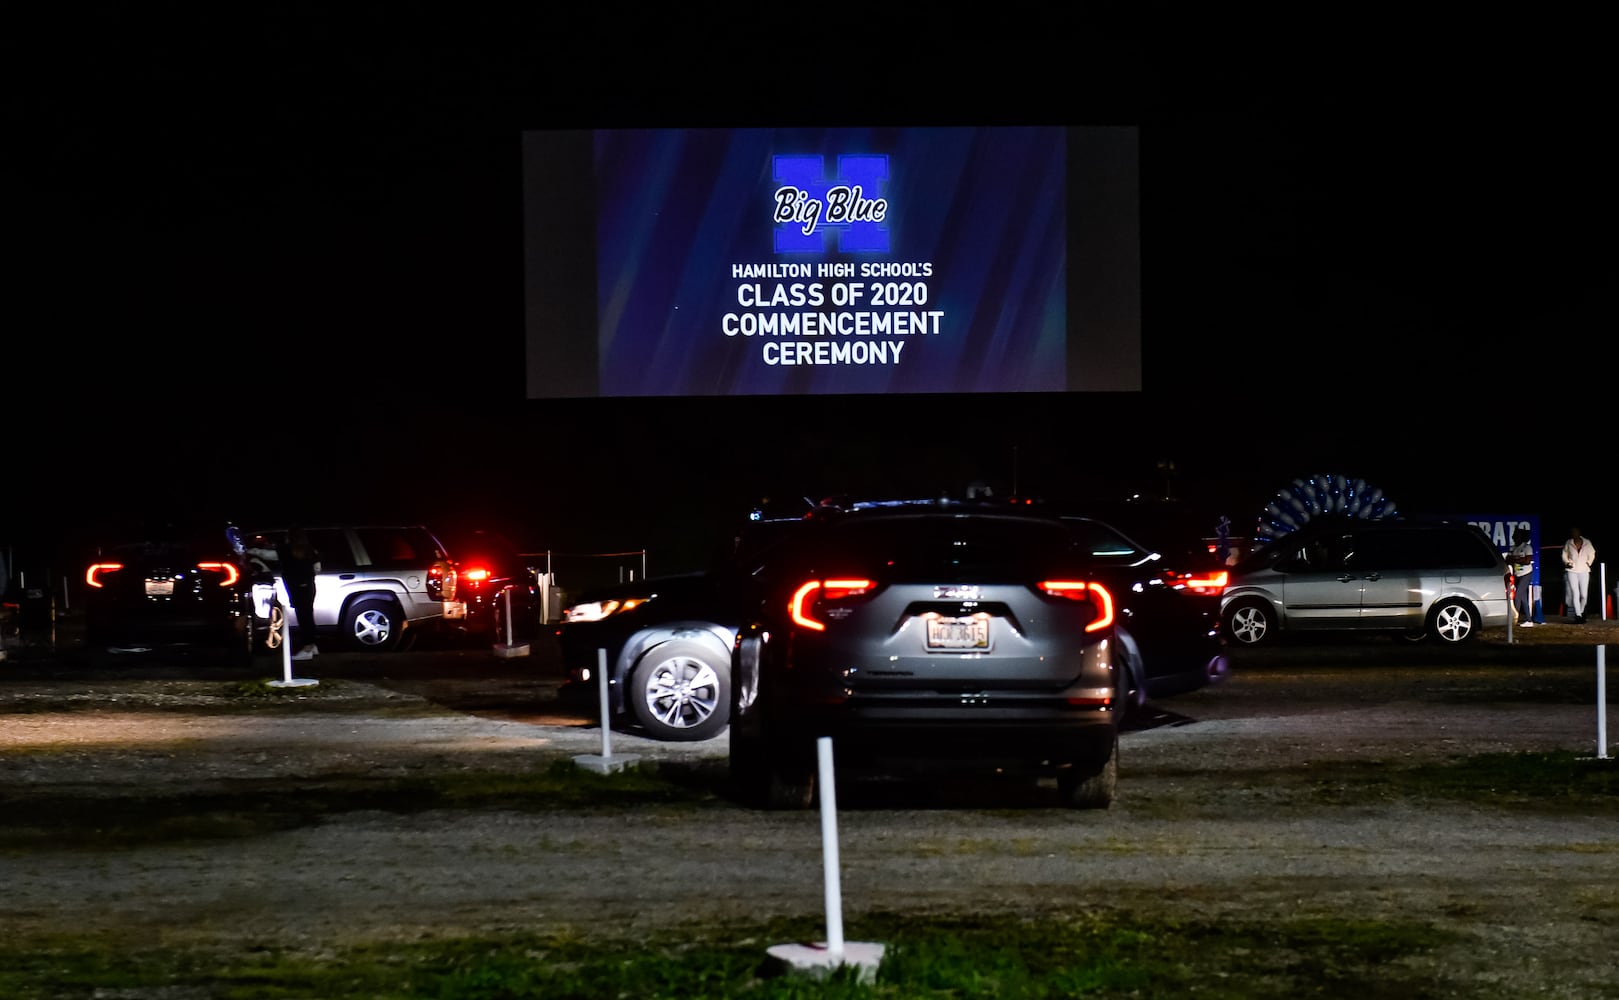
x=455 y=609
x=159 y=588
x=958 y=633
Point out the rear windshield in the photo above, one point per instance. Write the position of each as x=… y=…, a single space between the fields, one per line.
x=945 y=548
x=170 y=541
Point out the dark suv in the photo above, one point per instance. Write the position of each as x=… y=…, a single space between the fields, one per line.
x=968 y=634
x=491 y=576
x=667 y=641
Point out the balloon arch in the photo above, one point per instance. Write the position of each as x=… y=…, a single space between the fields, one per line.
x=1318 y=496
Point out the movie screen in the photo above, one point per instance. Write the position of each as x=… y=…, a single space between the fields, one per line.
x=831 y=261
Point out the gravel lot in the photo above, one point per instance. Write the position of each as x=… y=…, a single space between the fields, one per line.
x=1220 y=814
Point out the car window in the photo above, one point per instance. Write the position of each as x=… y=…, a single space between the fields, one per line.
x=336 y=554
x=1462 y=549
x=945 y=548
x=1387 y=550
x=1441 y=548
x=397 y=548
x=333 y=546
x=1319 y=553
x=1104 y=543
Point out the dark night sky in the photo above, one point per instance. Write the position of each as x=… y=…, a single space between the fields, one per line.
x=274 y=265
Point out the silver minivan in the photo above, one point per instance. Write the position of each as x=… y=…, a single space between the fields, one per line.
x=1438 y=579
x=375 y=582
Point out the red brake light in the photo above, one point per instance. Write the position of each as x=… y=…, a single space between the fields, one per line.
x=232 y=574
x=477 y=574
x=1081 y=590
x=804 y=598
x=93 y=575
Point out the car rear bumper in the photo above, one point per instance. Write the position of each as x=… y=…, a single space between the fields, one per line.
x=167 y=632
x=981 y=728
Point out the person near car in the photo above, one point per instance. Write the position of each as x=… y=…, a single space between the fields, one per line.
x=1522 y=559
x=261 y=555
x=300 y=564
x=1579 y=555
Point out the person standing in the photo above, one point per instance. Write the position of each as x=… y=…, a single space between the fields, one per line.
x=300 y=564
x=1579 y=555
x=1522 y=560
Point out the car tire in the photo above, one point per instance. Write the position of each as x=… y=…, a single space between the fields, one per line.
x=244 y=646
x=1250 y=623
x=762 y=777
x=1453 y=621
x=372 y=625
x=1090 y=785
x=1132 y=677
x=98 y=656
x=681 y=692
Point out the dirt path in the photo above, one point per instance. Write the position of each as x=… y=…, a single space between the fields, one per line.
x=1219 y=815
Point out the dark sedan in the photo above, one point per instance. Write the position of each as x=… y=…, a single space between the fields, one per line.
x=665 y=641
x=1169 y=610
x=171 y=587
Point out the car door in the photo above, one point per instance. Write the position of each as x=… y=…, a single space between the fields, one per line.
x=1318 y=590
x=1387 y=564
x=337 y=572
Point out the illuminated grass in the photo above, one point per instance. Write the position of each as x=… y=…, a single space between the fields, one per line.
x=1556 y=781
x=1084 y=954
x=1544 y=782
x=256 y=806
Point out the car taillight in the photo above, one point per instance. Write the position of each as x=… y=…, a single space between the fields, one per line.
x=232 y=574
x=474 y=574
x=806 y=597
x=1082 y=590
x=441 y=581
x=93 y=575
x=1200 y=583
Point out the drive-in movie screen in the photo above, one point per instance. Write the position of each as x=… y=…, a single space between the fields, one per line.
x=831 y=261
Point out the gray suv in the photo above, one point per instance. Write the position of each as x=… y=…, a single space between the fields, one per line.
x=376 y=582
x=1440 y=579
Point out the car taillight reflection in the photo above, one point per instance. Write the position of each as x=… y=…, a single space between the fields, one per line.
x=806 y=597
x=96 y=575
x=1213 y=583
x=595 y=611
x=441 y=579
x=231 y=573
x=1083 y=590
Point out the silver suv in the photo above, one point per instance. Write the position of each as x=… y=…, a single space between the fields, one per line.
x=1439 y=579
x=375 y=583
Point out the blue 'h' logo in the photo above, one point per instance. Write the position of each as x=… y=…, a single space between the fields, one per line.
x=809 y=207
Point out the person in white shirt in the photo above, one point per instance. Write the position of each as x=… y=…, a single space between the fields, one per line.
x=1522 y=561
x=1579 y=555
